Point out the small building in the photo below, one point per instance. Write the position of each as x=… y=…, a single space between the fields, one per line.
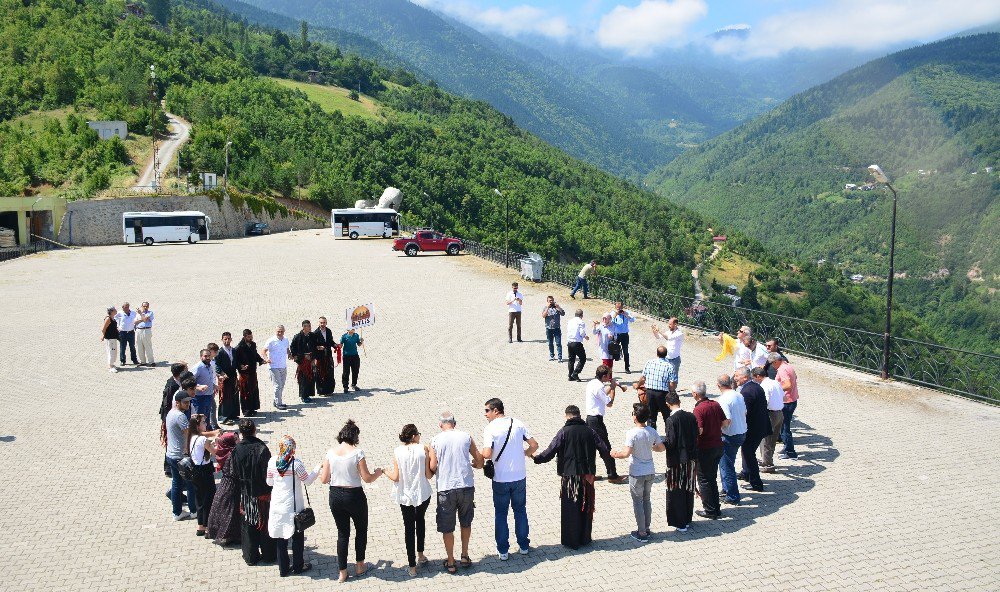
x=719 y=239
x=857 y=278
x=850 y=187
x=209 y=180
x=313 y=75
x=989 y=170
x=108 y=129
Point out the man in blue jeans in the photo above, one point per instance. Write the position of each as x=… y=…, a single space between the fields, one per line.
x=581 y=280
x=503 y=444
x=734 y=431
x=177 y=427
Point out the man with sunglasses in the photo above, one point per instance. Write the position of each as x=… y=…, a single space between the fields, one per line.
x=503 y=443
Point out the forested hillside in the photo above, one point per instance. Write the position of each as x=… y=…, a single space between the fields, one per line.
x=930 y=116
x=540 y=95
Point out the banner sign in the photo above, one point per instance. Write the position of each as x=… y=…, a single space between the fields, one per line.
x=360 y=316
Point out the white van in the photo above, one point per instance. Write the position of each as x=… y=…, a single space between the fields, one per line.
x=163 y=227
x=357 y=222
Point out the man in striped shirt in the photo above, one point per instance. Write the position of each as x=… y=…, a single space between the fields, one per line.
x=658 y=375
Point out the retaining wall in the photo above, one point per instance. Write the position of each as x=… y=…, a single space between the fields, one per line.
x=99 y=221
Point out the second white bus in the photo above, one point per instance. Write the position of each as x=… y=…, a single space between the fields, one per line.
x=355 y=223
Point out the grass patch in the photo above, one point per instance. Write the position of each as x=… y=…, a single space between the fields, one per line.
x=335 y=98
x=728 y=268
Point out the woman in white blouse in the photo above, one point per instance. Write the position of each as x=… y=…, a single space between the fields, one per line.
x=412 y=491
x=287 y=475
x=345 y=469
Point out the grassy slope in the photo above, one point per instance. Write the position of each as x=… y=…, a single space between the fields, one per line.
x=335 y=98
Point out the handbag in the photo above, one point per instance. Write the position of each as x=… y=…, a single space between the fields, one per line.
x=185 y=466
x=489 y=469
x=615 y=348
x=306 y=517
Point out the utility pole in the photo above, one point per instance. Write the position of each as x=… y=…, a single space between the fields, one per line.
x=152 y=126
x=882 y=178
x=506 y=228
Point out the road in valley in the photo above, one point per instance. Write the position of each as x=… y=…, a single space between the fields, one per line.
x=166 y=149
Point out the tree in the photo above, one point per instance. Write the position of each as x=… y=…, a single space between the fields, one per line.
x=304 y=33
x=748 y=295
x=160 y=11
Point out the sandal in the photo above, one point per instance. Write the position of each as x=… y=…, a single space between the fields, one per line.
x=452 y=568
x=368 y=568
x=466 y=561
x=423 y=561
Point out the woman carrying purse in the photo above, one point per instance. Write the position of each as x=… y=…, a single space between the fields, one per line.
x=201 y=449
x=287 y=476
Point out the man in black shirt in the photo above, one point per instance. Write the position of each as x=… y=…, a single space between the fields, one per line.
x=575 y=447
x=225 y=366
x=758 y=428
x=303 y=347
x=246 y=358
x=326 y=347
x=250 y=458
x=773 y=347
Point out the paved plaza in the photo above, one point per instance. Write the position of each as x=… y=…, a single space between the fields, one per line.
x=893 y=489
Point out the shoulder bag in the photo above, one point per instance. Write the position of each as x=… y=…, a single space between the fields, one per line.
x=306 y=517
x=489 y=469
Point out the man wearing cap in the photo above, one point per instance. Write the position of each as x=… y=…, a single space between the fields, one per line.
x=349 y=343
x=514 y=300
x=177 y=427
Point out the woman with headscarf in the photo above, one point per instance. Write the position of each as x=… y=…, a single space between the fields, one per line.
x=224 y=518
x=287 y=475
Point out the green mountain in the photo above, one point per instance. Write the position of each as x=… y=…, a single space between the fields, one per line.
x=930 y=116
x=552 y=101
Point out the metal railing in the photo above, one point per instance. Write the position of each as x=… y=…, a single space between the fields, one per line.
x=969 y=374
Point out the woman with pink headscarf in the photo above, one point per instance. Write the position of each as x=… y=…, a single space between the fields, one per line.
x=287 y=476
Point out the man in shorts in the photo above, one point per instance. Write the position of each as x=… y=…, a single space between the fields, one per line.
x=453 y=456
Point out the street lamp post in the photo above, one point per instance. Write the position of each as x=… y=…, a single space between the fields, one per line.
x=31 y=220
x=225 y=175
x=506 y=228
x=881 y=178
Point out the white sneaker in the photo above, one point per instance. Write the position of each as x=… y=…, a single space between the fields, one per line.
x=523 y=551
x=504 y=556
x=184 y=515
x=113 y=370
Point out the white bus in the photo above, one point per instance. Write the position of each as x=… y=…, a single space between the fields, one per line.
x=356 y=222
x=162 y=227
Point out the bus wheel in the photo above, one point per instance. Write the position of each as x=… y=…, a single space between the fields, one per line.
x=148 y=241
x=354 y=235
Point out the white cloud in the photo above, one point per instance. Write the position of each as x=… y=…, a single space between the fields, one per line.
x=518 y=20
x=651 y=25
x=860 y=24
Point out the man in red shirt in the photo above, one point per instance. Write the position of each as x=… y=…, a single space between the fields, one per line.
x=710 y=421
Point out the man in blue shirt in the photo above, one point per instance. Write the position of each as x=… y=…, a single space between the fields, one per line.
x=620 y=322
x=204 y=376
x=352 y=361
x=657 y=377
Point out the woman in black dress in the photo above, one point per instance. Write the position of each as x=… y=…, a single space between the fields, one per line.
x=224 y=519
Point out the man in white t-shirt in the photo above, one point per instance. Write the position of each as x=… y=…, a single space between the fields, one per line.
x=503 y=444
x=600 y=395
x=576 y=334
x=674 y=339
x=275 y=353
x=514 y=300
x=453 y=456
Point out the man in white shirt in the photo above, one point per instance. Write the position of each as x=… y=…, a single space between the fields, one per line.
x=576 y=331
x=503 y=443
x=775 y=403
x=515 y=300
x=734 y=432
x=275 y=353
x=144 y=335
x=126 y=333
x=600 y=396
x=751 y=354
x=581 y=279
x=674 y=339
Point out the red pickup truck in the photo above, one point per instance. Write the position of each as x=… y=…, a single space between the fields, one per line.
x=427 y=240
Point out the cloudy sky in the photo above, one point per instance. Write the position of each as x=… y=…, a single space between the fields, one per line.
x=642 y=27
